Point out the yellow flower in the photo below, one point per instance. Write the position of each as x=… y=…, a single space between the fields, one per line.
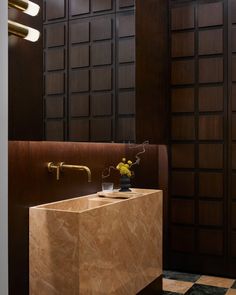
x=124 y=167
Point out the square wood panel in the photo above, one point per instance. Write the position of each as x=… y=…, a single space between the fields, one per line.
x=183 y=128
x=101 y=79
x=54 y=130
x=102 y=28
x=182 y=100
x=79 y=31
x=210 y=42
x=78 y=7
x=126 y=25
x=79 y=130
x=126 y=50
x=101 y=104
x=126 y=129
x=126 y=103
x=182 y=211
x=125 y=3
x=54 y=107
x=210 y=14
x=55 y=59
x=210 y=241
x=210 y=213
x=55 y=83
x=211 y=127
x=101 y=53
x=182 y=44
x=211 y=184
x=126 y=76
x=182 y=17
x=183 y=183
x=79 y=80
x=101 y=5
x=56 y=9
x=183 y=72
x=55 y=35
x=79 y=56
x=101 y=129
x=211 y=156
x=233 y=11
x=183 y=155
x=79 y=105
x=211 y=99
x=210 y=70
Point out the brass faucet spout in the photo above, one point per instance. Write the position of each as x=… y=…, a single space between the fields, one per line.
x=63 y=166
x=52 y=167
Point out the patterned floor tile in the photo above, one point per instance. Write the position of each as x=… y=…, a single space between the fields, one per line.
x=176 y=286
x=231 y=292
x=181 y=276
x=170 y=293
x=206 y=290
x=215 y=281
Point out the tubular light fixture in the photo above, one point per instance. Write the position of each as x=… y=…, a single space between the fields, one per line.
x=22 y=31
x=25 y=5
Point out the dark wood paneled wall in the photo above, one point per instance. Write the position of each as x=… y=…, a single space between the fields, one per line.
x=201 y=234
x=152 y=70
x=25 y=81
x=89 y=71
x=30 y=184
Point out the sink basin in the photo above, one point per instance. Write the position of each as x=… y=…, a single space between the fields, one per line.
x=96 y=246
x=78 y=204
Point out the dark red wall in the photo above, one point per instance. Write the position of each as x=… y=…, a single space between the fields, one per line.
x=30 y=184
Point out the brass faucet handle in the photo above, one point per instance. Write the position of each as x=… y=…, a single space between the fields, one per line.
x=52 y=167
x=61 y=165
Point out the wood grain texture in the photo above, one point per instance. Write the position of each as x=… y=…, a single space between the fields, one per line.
x=151 y=58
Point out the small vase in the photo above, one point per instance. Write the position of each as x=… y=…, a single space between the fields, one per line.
x=125 y=184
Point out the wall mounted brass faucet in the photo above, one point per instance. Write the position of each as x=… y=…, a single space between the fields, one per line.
x=60 y=167
x=52 y=167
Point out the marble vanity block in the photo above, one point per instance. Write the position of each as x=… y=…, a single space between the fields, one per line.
x=96 y=246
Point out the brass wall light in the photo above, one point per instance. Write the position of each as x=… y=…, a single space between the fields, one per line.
x=26 y=6
x=22 y=31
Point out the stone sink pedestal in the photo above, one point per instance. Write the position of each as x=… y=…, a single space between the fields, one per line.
x=97 y=246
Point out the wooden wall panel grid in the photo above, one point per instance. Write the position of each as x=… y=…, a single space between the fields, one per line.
x=89 y=70
x=92 y=82
x=198 y=135
x=125 y=77
x=55 y=81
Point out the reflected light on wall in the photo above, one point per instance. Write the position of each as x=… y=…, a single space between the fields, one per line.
x=22 y=31
x=26 y=6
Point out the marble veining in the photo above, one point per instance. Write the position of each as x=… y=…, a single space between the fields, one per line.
x=110 y=248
